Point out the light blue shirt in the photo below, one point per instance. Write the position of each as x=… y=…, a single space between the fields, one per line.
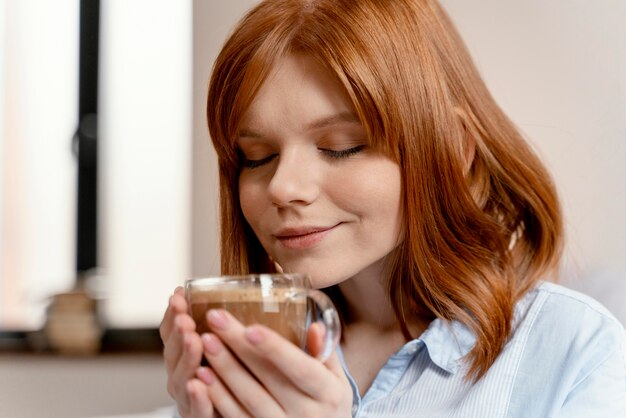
x=566 y=358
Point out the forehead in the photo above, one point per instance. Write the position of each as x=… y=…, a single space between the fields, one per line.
x=298 y=90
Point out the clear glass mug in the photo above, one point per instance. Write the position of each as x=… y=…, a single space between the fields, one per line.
x=283 y=302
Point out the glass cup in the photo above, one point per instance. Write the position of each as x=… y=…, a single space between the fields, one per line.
x=283 y=302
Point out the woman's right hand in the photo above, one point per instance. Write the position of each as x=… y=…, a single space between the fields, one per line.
x=182 y=353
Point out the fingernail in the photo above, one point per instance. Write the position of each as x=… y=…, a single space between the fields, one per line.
x=187 y=340
x=211 y=344
x=254 y=335
x=217 y=318
x=206 y=375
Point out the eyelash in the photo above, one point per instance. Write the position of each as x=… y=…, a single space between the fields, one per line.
x=257 y=163
x=346 y=153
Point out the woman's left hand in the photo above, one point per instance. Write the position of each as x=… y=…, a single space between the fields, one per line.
x=256 y=372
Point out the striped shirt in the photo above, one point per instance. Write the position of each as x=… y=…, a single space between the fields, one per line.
x=566 y=358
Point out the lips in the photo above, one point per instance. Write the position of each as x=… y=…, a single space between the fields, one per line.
x=304 y=237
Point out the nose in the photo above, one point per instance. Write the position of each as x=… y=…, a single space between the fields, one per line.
x=296 y=180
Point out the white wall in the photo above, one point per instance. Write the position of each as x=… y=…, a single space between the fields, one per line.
x=212 y=22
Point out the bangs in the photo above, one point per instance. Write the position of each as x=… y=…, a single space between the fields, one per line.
x=266 y=36
x=235 y=82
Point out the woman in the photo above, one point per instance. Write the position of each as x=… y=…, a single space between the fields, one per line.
x=358 y=144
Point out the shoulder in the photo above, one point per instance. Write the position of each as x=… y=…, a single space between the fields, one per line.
x=556 y=293
x=570 y=347
x=556 y=302
x=552 y=309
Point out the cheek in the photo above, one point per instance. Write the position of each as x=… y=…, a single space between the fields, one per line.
x=373 y=192
x=250 y=200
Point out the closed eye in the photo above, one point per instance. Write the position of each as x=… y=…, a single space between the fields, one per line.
x=345 y=153
x=247 y=163
x=335 y=154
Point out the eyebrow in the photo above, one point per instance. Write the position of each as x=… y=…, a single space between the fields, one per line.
x=341 y=117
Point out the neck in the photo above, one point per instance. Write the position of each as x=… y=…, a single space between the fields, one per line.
x=366 y=298
x=368 y=306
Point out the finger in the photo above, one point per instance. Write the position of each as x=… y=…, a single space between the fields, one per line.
x=315 y=345
x=244 y=386
x=165 y=328
x=176 y=305
x=233 y=333
x=315 y=339
x=200 y=405
x=305 y=372
x=186 y=366
x=173 y=347
x=220 y=397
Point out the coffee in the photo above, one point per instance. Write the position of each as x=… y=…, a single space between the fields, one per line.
x=275 y=308
x=283 y=302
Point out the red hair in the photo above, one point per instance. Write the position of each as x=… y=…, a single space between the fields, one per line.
x=482 y=222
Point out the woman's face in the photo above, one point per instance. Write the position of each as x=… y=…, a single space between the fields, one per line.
x=319 y=200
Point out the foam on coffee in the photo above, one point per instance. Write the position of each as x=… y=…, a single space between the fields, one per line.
x=241 y=294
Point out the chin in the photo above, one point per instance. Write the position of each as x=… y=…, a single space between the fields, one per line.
x=320 y=277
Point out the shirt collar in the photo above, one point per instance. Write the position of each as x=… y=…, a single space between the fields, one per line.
x=448 y=342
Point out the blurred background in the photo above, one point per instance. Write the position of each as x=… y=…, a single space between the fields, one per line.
x=557 y=68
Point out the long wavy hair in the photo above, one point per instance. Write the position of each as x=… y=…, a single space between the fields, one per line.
x=481 y=218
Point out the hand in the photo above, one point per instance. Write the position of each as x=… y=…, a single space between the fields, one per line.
x=256 y=372
x=182 y=353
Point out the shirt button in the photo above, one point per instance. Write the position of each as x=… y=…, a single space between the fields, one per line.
x=412 y=350
x=355 y=408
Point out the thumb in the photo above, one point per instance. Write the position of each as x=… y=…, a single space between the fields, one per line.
x=315 y=339
x=315 y=346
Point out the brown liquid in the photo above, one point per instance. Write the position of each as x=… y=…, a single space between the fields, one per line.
x=275 y=310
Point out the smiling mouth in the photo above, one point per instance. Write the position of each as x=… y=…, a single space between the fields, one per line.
x=300 y=239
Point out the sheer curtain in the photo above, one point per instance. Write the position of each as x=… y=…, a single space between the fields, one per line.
x=145 y=116
x=145 y=148
x=39 y=57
